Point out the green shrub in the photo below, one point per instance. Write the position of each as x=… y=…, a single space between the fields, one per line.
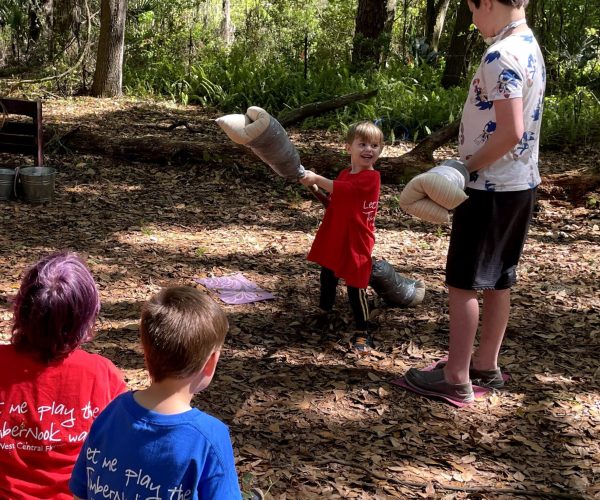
x=174 y=50
x=571 y=120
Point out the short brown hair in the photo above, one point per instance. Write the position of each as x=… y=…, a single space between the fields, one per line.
x=180 y=328
x=364 y=130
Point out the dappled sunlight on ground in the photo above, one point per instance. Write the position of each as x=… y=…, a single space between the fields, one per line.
x=308 y=418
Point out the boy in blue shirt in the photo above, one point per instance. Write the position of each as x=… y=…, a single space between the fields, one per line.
x=151 y=443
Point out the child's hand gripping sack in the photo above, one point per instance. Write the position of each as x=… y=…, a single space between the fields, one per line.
x=431 y=195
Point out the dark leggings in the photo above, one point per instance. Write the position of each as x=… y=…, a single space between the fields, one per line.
x=356 y=296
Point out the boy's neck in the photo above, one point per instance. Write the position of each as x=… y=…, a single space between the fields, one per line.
x=169 y=396
x=356 y=170
x=505 y=15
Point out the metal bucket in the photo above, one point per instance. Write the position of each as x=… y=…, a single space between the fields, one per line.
x=37 y=184
x=7 y=184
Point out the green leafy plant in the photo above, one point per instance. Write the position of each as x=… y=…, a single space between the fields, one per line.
x=571 y=120
x=200 y=251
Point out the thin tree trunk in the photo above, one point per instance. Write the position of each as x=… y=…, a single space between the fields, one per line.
x=64 y=17
x=438 y=27
x=456 y=60
x=226 y=26
x=40 y=18
x=435 y=18
x=388 y=27
x=404 y=23
x=429 y=20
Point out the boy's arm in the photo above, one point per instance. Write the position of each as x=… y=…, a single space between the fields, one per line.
x=311 y=178
x=509 y=130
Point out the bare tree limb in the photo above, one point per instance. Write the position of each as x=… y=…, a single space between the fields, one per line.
x=18 y=83
x=289 y=117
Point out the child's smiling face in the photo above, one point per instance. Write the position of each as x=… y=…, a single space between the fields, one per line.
x=363 y=153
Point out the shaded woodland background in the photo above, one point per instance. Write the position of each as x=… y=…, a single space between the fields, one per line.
x=226 y=55
x=152 y=193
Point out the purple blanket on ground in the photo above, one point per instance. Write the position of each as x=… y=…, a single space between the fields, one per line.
x=235 y=289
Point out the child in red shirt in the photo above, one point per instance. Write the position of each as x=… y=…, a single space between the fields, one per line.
x=51 y=390
x=345 y=239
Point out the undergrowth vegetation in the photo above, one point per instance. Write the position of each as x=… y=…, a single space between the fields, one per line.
x=410 y=102
x=288 y=54
x=282 y=55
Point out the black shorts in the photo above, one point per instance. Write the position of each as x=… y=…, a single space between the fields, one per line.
x=488 y=233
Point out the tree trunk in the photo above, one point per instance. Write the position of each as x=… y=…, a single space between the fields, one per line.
x=40 y=18
x=429 y=144
x=388 y=26
x=108 y=77
x=368 y=42
x=429 y=20
x=65 y=16
x=226 y=26
x=435 y=18
x=159 y=149
x=440 y=20
x=457 y=60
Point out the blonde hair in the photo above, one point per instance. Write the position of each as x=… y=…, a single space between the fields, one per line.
x=364 y=130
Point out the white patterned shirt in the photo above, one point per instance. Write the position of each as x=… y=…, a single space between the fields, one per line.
x=510 y=68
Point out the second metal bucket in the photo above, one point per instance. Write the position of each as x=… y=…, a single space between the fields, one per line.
x=7 y=184
x=37 y=184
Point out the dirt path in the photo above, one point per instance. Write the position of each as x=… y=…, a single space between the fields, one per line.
x=308 y=419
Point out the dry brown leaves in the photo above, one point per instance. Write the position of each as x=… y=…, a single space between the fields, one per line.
x=309 y=419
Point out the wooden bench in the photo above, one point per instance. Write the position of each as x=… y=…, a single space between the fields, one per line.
x=22 y=137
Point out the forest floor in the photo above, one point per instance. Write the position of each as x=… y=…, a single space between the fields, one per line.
x=309 y=418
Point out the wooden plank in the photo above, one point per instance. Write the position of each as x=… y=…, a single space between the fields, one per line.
x=18 y=148
x=17 y=139
x=20 y=107
x=18 y=128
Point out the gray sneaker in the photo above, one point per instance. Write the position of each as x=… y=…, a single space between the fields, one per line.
x=487 y=378
x=492 y=379
x=433 y=383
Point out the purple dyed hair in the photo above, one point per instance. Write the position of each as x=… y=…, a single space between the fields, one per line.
x=56 y=307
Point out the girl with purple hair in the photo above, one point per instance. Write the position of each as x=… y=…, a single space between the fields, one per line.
x=50 y=389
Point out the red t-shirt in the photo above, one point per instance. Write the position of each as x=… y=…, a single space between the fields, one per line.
x=45 y=414
x=345 y=239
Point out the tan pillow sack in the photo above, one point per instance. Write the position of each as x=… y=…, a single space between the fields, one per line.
x=242 y=129
x=267 y=139
x=427 y=210
x=430 y=196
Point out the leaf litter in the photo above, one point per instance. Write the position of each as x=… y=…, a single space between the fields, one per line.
x=308 y=418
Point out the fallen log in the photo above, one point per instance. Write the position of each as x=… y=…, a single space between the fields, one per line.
x=292 y=116
x=162 y=149
x=149 y=148
x=433 y=141
x=165 y=150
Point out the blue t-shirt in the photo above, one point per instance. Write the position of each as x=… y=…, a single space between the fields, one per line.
x=134 y=453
